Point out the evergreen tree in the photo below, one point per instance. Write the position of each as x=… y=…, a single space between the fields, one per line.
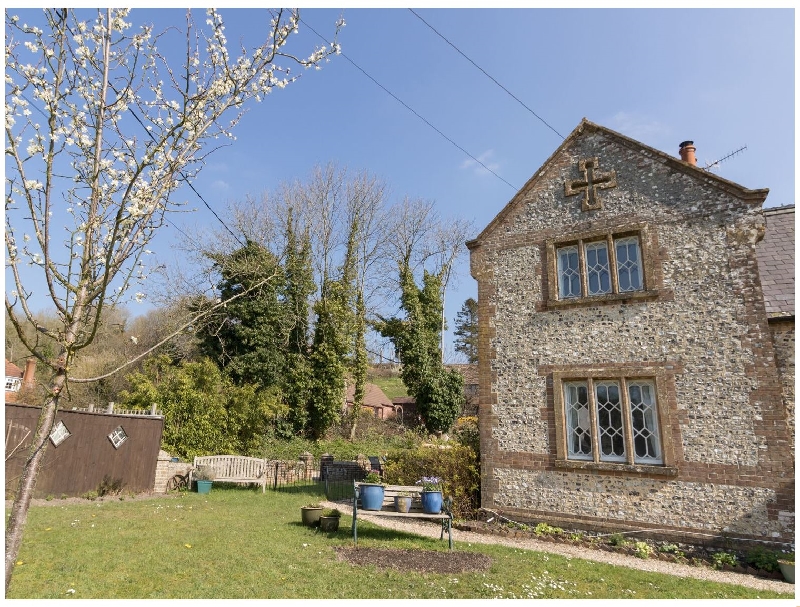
x=248 y=337
x=467 y=330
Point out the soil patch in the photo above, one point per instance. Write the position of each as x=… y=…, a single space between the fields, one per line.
x=423 y=561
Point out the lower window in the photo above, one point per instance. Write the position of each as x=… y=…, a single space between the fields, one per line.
x=612 y=420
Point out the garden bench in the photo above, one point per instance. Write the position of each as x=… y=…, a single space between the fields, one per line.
x=234 y=469
x=445 y=517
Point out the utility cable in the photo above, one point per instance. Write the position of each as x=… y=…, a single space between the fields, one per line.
x=405 y=105
x=487 y=74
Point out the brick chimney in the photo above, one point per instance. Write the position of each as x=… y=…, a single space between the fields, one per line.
x=687 y=152
x=30 y=371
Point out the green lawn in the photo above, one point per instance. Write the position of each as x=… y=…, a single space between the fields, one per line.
x=392 y=387
x=238 y=543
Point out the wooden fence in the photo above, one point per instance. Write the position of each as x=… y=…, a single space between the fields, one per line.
x=100 y=445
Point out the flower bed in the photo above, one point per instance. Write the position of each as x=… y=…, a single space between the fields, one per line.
x=760 y=561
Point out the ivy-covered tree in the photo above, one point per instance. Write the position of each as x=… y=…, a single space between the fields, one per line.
x=466 y=332
x=439 y=392
x=297 y=378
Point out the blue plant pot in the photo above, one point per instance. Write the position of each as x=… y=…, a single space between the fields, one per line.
x=431 y=502
x=371 y=497
x=204 y=486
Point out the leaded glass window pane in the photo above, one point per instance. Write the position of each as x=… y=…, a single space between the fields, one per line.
x=579 y=423
x=629 y=264
x=609 y=421
x=597 y=269
x=644 y=422
x=569 y=275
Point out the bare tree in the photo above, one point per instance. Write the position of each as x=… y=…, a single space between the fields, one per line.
x=101 y=131
x=422 y=240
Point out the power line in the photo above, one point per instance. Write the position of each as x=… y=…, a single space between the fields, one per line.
x=486 y=73
x=405 y=105
x=189 y=183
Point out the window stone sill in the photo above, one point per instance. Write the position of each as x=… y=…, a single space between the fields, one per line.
x=612 y=467
x=594 y=300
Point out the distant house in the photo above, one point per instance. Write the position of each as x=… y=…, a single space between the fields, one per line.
x=636 y=345
x=16 y=378
x=469 y=372
x=406 y=410
x=375 y=401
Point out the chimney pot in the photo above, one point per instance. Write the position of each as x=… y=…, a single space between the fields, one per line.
x=30 y=372
x=687 y=151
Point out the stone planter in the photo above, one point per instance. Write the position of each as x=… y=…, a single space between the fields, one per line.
x=787 y=569
x=310 y=516
x=329 y=523
x=402 y=503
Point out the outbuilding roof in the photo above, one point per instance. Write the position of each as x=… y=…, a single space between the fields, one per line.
x=12 y=370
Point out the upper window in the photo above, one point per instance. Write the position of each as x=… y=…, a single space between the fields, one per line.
x=599 y=267
x=13 y=384
x=613 y=265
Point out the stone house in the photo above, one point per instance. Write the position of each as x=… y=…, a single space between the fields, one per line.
x=636 y=350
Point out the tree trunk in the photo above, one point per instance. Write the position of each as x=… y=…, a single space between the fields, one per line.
x=22 y=500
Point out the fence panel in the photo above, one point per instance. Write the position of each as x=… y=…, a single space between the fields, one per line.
x=333 y=478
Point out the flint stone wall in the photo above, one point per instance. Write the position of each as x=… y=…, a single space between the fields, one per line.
x=728 y=416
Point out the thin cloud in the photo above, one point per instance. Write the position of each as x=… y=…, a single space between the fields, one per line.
x=638 y=126
x=485 y=158
x=220 y=186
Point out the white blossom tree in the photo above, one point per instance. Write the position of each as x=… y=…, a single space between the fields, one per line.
x=102 y=128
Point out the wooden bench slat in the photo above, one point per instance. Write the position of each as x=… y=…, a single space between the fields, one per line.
x=235 y=468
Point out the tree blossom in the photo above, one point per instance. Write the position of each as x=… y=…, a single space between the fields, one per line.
x=123 y=130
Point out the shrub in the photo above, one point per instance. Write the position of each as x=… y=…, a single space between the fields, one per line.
x=643 y=550
x=545 y=529
x=456 y=465
x=722 y=558
x=90 y=495
x=617 y=539
x=109 y=487
x=465 y=431
x=761 y=558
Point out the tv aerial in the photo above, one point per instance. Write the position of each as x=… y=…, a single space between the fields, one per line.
x=710 y=165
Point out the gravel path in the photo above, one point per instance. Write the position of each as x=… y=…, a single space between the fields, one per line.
x=431 y=529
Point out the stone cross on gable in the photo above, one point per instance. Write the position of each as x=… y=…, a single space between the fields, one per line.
x=592 y=181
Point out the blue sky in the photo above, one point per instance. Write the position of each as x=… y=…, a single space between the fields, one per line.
x=721 y=77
